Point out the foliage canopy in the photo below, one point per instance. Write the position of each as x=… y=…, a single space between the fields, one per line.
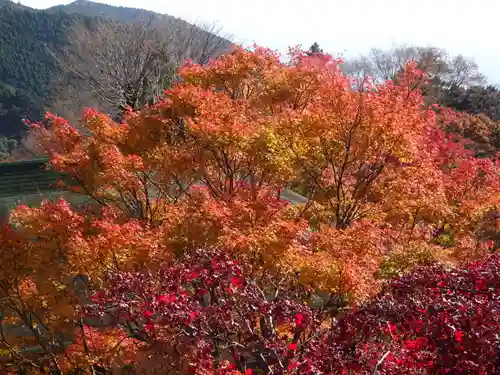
x=189 y=192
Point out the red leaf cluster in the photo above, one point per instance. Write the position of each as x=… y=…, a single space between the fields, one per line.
x=431 y=321
x=205 y=311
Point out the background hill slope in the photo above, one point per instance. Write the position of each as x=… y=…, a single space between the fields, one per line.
x=34 y=41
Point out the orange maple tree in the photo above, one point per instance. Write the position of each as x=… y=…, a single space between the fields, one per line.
x=214 y=164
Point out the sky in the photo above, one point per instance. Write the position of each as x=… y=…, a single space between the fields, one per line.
x=347 y=27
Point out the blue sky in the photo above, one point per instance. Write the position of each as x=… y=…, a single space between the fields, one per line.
x=347 y=27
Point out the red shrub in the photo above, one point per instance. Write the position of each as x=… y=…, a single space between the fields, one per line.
x=217 y=319
x=431 y=321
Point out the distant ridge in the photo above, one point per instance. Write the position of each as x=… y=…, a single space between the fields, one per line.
x=116 y=13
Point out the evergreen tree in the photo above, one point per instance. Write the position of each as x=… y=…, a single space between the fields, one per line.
x=314 y=49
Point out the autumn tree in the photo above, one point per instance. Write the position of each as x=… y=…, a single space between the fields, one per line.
x=207 y=166
x=247 y=126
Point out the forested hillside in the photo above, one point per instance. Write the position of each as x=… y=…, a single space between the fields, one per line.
x=116 y=13
x=15 y=106
x=41 y=56
x=27 y=68
x=26 y=63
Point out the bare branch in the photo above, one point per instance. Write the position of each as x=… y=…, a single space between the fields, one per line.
x=112 y=66
x=119 y=65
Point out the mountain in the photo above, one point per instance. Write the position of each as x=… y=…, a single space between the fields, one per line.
x=9 y=3
x=126 y=15
x=31 y=41
x=119 y=14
